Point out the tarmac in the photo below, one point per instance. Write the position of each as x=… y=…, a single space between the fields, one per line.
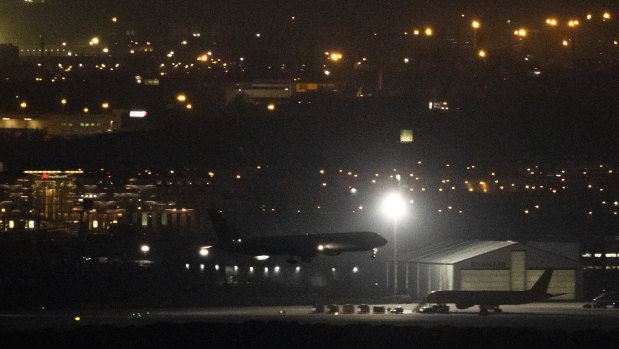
x=540 y=316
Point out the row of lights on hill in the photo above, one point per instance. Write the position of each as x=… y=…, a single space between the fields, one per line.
x=104 y=105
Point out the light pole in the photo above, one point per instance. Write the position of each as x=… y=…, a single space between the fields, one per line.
x=394 y=207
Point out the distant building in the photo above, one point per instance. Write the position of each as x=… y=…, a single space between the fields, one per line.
x=65 y=125
x=9 y=55
x=259 y=92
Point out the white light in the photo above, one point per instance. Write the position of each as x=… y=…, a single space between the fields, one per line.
x=355 y=269
x=321 y=247
x=262 y=258
x=236 y=268
x=276 y=269
x=187 y=266
x=31 y=224
x=251 y=269
x=137 y=113
x=201 y=266
x=143 y=248
x=266 y=269
x=298 y=269
x=216 y=266
x=333 y=269
x=204 y=251
x=353 y=191
x=394 y=206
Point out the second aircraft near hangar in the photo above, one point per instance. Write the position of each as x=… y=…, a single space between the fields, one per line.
x=493 y=299
x=304 y=246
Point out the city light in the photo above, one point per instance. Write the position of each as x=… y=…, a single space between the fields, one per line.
x=520 y=32
x=573 y=23
x=428 y=32
x=551 y=21
x=188 y=106
x=334 y=56
x=23 y=105
x=94 y=41
x=105 y=105
x=475 y=24
x=144 y=248
x=271 y=107
x=482 y=53
x=565 y=43
x=114 y=19
x=181 y=97
x=204 y=251
x=606 y=16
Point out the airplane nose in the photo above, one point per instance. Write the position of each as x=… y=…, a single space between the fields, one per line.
x=381 y=241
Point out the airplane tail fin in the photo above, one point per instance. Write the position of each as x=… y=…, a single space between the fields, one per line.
x=222 y=230
x=541 y=286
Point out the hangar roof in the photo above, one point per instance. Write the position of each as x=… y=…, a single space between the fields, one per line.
x=452 y=252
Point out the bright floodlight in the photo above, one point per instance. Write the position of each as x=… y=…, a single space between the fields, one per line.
x=204 y=251
x=394 y=205
x=145 y=248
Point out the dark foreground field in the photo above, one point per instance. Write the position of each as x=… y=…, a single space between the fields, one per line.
x=275 y=334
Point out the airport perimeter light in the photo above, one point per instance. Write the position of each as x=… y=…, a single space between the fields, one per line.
x=394 y=207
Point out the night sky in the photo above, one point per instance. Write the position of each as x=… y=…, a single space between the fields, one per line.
x=60 y=20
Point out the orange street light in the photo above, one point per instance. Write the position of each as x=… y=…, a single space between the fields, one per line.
x=334 y=56
x=482 y=53
x=428 y=31
x=520 y=32
x=606 y=16
x=181 y=98
x=105 y=105
x=552 y=22
x=23 y=105
x=475 y=24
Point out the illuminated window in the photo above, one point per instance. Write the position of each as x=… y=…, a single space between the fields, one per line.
x=598 y=255
x=406 y=136
x=611 y=255
x=586 y=255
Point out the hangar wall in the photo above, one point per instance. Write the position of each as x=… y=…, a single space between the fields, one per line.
x=515 y=267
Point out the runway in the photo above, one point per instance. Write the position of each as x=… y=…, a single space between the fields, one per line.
x=541 y=316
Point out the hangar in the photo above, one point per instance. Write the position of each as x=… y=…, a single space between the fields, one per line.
x=493 y=265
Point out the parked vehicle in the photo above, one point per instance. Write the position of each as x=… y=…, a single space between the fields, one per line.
x=433 y=308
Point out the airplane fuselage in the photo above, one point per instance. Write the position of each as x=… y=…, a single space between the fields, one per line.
x=467 y=299
x=305 y=245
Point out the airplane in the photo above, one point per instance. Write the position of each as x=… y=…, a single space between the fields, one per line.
x=493 y=299
x=304 y=246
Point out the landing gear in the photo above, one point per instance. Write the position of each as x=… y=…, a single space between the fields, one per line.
x=483 y=311
x=374 y=250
